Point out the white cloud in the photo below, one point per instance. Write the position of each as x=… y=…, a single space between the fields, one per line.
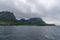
x=48 y=3
x=47 y=9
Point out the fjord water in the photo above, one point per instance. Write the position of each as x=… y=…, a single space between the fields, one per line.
x=29 y=32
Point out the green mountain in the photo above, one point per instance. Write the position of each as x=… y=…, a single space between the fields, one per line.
x=8 y=18
x=32 y=21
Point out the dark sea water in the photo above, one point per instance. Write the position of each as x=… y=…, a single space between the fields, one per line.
x=29 y=32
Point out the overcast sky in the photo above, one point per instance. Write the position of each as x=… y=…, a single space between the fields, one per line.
x=48 y=10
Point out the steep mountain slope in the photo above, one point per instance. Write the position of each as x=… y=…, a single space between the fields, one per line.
x=7 y=16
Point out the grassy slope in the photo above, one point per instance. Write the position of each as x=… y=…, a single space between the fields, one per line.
x=19 y=24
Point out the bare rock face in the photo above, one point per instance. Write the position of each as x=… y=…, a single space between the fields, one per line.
x=7 y=16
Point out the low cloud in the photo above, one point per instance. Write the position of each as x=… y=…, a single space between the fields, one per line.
x=48 y=10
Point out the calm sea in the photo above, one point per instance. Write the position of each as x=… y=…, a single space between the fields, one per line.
x=29 y=32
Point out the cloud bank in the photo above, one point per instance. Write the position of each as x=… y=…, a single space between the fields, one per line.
x=48 y=10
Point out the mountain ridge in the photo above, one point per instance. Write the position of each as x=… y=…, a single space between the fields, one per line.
x=10 y=19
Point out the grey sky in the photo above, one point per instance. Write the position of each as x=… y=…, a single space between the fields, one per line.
x=48 y=10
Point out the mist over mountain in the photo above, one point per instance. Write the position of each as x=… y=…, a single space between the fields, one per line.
x=7 y=16
x=31 y=21
x=9 y=19
x=48 y=10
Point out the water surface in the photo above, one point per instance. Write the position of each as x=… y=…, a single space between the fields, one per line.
x=29 y=32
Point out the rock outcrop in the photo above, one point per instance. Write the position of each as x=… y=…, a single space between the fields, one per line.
x=7 y=16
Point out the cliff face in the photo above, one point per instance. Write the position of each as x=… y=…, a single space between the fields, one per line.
x=7 y=16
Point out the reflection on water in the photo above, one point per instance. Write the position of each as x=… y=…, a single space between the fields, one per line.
x=29 y=33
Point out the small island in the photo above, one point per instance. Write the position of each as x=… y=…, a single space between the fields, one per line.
x=8 y=19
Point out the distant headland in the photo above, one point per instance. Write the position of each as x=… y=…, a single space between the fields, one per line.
x=8 y=19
